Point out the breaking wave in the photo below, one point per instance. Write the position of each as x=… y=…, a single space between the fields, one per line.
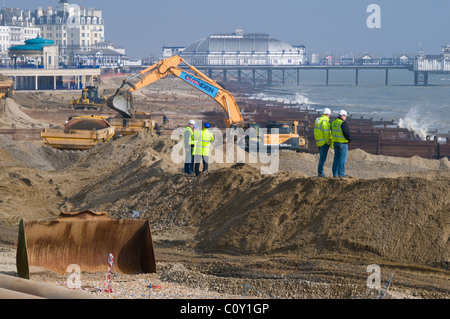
x=297 y=99
x=415 y=122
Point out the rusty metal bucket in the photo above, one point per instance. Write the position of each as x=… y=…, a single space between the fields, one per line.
x=85 y=239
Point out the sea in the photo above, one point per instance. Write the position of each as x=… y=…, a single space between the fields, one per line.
x=423 y=109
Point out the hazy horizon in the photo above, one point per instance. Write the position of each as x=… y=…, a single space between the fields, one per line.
x=322 y=26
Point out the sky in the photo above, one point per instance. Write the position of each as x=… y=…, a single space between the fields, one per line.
x=322 y=26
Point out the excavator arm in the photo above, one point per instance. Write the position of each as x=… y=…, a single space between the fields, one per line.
x=122 y=101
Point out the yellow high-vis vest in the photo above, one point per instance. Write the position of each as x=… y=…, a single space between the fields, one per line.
x=322 y=131
x=203 y=141
x=191 y=134
x=337 y=133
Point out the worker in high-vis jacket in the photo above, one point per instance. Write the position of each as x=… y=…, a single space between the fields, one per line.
x=202 y=148
x=188 y=142
x=322 y=135
x=340 y=137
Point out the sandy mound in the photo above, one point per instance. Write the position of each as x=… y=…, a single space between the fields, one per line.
x=237 y=209
x=234 y=208
x=364 y=165
x=11 y=114
x=44 y=100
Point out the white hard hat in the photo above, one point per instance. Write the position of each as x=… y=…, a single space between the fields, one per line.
x=326 y=111
x=343 y=112
x=191 y=122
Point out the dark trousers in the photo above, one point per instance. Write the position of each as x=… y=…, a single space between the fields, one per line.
x=203 y=159
x=189 y=160
x=323 y=151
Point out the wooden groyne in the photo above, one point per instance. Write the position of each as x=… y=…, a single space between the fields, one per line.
x=376 y=137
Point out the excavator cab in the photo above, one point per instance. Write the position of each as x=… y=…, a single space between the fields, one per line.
x=283 y=134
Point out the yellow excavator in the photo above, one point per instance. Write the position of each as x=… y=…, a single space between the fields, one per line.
x=86 y=238
x=122 y=102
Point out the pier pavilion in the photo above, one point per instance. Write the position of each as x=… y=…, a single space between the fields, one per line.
x=35 y=67
x=424 y=65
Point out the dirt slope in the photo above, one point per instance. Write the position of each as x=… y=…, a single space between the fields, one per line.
x=240 y=211
x=234 y=208
x=11 y=114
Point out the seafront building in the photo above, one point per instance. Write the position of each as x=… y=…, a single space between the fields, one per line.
x=103 y=55
x=59 y=48
x=434 y=63
x=15 y=28
x=73 y=28
x=239 y=48
x=78 y=33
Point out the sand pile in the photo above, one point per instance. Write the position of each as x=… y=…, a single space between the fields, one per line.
x=364 y=165
x=34 y=156
x=43 y=100
x=11 y=114
x=240 y=211
x=234 y=208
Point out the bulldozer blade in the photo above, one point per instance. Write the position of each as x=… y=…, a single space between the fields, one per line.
x=54 y=245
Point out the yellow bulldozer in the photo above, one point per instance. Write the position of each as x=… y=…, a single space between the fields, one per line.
x=85 y=239
x=90 y=99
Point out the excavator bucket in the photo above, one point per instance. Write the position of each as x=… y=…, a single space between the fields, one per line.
x=85 y=239
x=121 y=102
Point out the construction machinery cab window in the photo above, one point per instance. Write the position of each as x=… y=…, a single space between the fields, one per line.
x=92 y=95
x=282 y=128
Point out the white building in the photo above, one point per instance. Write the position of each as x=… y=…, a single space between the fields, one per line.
x=16 y=27
x=434 y=63
x=73 y=28
x=105 y=55
x=242 y=49
x=171 y=51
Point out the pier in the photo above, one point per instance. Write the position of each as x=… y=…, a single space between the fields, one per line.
x=269 y=75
